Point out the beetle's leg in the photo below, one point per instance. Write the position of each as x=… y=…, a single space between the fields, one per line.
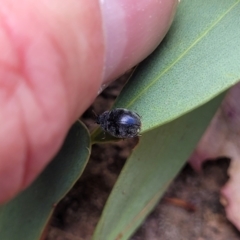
x=104 y=135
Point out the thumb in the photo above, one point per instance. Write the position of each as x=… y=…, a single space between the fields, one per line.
x=55 y=56
x=50 y=71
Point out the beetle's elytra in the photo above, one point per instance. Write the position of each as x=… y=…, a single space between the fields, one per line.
x=120 y=123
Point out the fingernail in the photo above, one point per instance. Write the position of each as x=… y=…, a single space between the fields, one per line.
x=133 y=29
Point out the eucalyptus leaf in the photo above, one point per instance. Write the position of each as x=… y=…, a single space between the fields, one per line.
x=149 y=171
x=197 y=60
x=26 y=216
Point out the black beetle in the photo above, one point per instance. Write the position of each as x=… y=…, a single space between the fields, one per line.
x=120 y=123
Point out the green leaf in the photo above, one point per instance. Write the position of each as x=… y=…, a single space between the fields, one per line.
x=197 y=60
x=25 y=217
x=149 y=170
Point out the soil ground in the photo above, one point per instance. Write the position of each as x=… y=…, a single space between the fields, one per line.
x=190 y=209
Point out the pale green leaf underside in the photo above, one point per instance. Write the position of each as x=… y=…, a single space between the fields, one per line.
x=25 y=217
x=149 y=170
x=198 y=59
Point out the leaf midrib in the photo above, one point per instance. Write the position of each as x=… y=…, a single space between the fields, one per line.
x=182 y=55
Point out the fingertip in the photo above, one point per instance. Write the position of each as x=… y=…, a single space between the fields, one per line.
x=133 y=29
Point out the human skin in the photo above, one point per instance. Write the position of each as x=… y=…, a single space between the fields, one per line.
x=55 y=56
